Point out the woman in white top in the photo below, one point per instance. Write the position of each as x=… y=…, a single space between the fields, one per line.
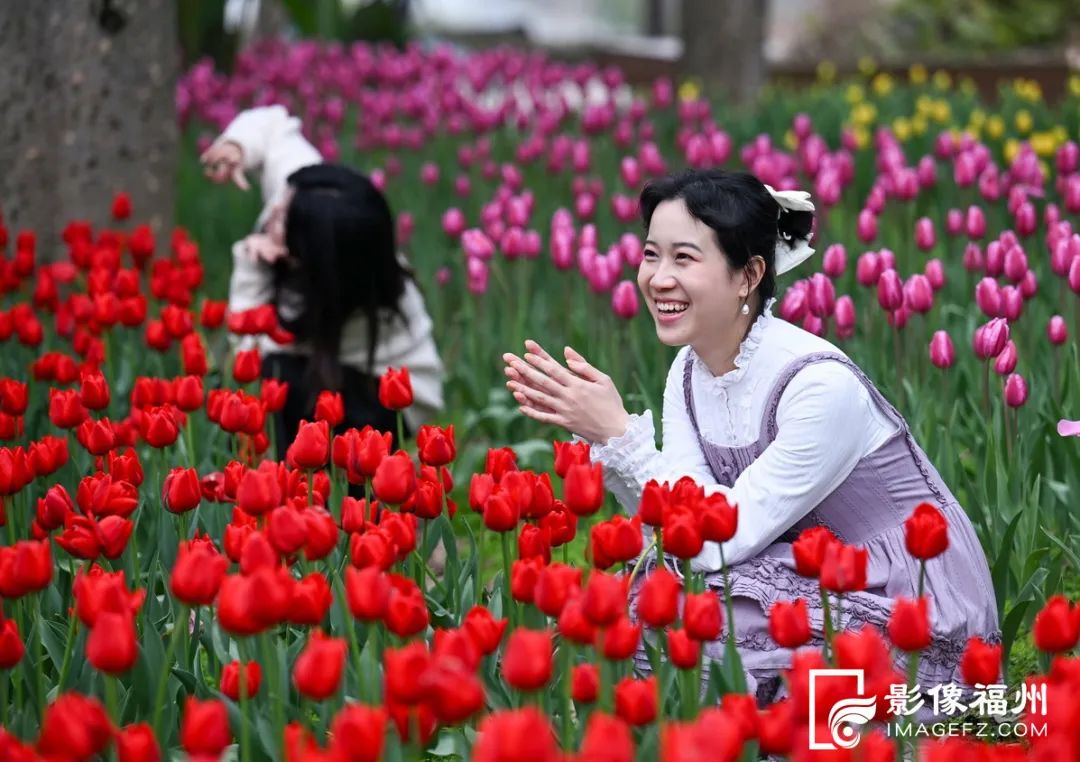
x=779 y=420
x=324 y=255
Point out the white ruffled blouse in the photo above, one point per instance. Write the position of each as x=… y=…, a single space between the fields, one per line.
x=826 y=421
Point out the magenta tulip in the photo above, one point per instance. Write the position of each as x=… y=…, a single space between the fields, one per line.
x=942 y=352
x=1016 y=391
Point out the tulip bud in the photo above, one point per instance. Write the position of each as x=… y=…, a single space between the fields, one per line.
x=925 y=237
x=1005 y=362
x=1057 y=330
x=890 y=291
x=866 y=226
x=868 y=269
x=835 y=262
x=975 y=222
x=1016 y=391
x=942 y=352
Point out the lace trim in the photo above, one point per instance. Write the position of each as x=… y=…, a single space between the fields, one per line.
x=747 y=348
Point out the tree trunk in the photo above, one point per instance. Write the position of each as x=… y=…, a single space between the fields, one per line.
x=88 y=97
x=724 y=45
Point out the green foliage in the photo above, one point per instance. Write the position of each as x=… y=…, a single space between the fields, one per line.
x=985 y=25
x=331 y=20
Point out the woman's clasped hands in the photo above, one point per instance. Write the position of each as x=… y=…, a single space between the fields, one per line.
x=578 y=397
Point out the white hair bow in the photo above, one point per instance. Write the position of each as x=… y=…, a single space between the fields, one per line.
x=791 y=251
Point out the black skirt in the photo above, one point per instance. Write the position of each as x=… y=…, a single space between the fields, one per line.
x=360 y=395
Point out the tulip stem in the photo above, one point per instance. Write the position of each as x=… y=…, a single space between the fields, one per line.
x=39 y=663
x=245 y=740
x=922 y=575
x=507 y=593
x=163 y=680
x=826 y=618
x=400 y=431
x=567 y=680
x=111 y=703
x=641 y=559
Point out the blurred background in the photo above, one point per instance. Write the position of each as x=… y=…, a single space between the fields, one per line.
x=88 y=90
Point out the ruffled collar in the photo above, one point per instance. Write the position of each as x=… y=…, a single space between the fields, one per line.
x=747 y=349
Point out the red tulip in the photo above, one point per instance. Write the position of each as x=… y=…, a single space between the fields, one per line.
x=1057 y=625
x=620 y=640
x=926 y=532
x=367 y=592
x=516 y=734
x=395 y=389
x=658 y=603
x=111 y=646
x=181 y=491
x=231 y=679
x=330 y=407
x=358 y=733
x=526 y=662
x=635 y=700
x=843 y=568
x=685 y=652
x=11 y=645
x=701 y=616
x=809 y=550
x=311 y=447
x=789 y=623
x=205 y=727
x=318 y=668
x=585 y=683
x=436 y=446
x=198 y=572
x=136 y=743
x=486 y=632
x=981 y=662
x=583 y=489
x=909 y=625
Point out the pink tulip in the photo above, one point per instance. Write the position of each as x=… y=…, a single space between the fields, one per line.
x=1068 y=428
x=918 y=294
x=631 y=249
x=926 y=172
x=1029 y=285
x=1051 y=215
x=995 y=258
x=888 y=259
x=588 y=236
x=935 y=273
x=1074 y=275
x=1067 y=158
x=890 y=291
x=875 y=201
x=813 y=324
x=988 y=297
x=623 y=208
x=1005 y=363
x=429 y=173
x=954 y=222
x=866 y=226
x=1061 y=257
x=835 y=261
x=584 y=206
x=1016 y=390
x=1072 y=194
x=477 y=245
x=630 y=172
x=925 y=238
x=990 y=338
x=973 y=258
x=477 y=275
x=624 y=299
x=899 y=318
x=794 y=307
x=1016 y=264
x=453 y=222
x=822 y=296
x=531 y=244
x=868 y=269
x=406 y=223
x=1012 y=303
x=462 y=186
x=562 y=248
x=442 y=276
x=975 y=222
x=720 y=145
x=964 y=170
x=378 y=179
x=1026 y=220
x=802 y=126
x=942 y=352
x=1057 y=330
x=906 y=184
x=845 y=317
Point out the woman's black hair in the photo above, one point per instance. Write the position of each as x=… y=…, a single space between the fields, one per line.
x=742 y=213
x=339 y=233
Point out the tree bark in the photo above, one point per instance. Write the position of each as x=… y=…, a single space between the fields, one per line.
x=88 y=97
x=724 y=45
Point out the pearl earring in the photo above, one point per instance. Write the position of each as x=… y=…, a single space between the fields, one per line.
x=745 y=308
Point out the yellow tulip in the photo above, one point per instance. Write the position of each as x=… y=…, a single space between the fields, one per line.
x=942 y=111
x=854 y=93
x=826 y=71
x=882 y=84
x=901 y=127
x=919 y=124
x=867 y=66
x=789 y=140
x=995 y=127
x=689 y=91
x=1012 y=147
x=917 y=74
x=1043 y=143
x=1023 y=121
x=942 y=80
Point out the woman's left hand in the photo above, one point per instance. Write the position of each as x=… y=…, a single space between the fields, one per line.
x=580 y=399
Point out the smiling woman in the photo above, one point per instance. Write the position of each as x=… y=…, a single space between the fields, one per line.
x=778 y=420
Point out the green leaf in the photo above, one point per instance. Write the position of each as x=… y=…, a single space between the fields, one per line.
x=999 y=574
x=1069 y=553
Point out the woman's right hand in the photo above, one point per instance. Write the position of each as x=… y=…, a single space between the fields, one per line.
x=260 y=247
x=224 y=161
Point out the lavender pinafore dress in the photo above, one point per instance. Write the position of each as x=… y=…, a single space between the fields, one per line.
x=867 y=509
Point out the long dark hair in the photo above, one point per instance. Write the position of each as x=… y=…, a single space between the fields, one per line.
x=339 y=233
x=746 y=219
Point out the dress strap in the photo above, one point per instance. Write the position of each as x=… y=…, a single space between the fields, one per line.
x=768 y=423
x=688 y=391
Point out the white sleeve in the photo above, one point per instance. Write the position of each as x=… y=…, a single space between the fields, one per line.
x=251 y=282
x=632 y=459
x=816 y=448
x=273 y=145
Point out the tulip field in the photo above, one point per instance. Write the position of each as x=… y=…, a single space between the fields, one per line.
x=171 y=590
